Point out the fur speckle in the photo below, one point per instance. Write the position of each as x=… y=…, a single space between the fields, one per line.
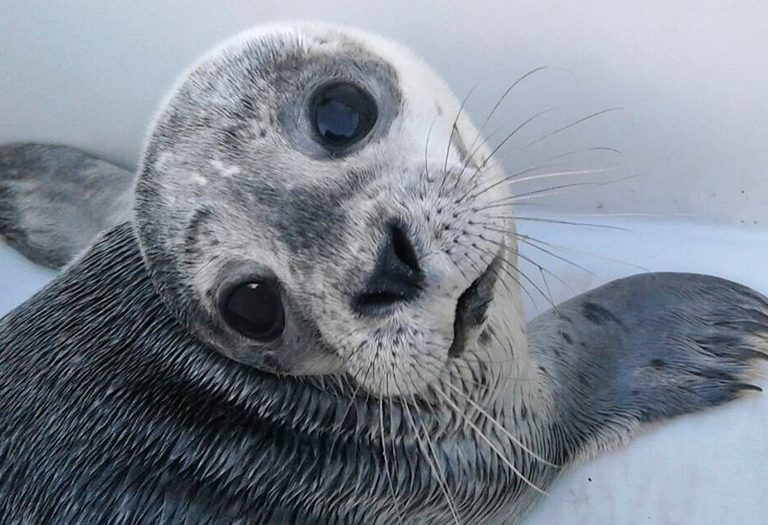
x=597 y=314
x=229 y=170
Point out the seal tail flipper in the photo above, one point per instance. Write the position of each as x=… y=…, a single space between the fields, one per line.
x=55 y=199
x=648 y=348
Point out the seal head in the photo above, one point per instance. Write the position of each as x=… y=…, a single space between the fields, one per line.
x=306 y=205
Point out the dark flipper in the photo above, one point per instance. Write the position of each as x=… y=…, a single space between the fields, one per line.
x=647 y=348
x=54 y=200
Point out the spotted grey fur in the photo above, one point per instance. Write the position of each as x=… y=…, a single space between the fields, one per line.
x=126 y=400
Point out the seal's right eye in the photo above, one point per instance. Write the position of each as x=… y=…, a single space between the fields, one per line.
x=255 y=309
x=342 y=114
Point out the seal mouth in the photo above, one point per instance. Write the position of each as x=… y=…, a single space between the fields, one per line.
x=472 y=306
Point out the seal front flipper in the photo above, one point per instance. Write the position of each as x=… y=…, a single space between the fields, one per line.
x=55 y=199
x=644 y=349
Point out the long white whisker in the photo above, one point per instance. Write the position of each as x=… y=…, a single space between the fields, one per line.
x=384 y=453
x=512 y=179
x=524 y=218
x=498 y=425
x=493 y=446
x=548 y=192
x=433 y=467
x=501 y=100
x=572 y=124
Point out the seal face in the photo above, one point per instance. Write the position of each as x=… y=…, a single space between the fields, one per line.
x=313 y=315
x=294 y=169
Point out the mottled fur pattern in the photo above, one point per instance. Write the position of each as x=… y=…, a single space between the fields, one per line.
x=647 y=348
x=126 y=399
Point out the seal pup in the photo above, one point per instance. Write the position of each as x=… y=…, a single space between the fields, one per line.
x=307 y=319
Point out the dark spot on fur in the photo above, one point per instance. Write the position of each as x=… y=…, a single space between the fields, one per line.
x=658 y=363
x=599 y=315
x=523 y=412
x=568 y=339
x=194 y=227
x=485 y=338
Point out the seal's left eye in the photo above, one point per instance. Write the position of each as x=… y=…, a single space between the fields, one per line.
x=255 y=309
x=342 y=114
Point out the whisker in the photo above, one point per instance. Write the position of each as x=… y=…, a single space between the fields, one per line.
x=493 y=446
x=453 y=132
x=426 y=147
x=501 y=181
x=504 y=141
x=500 y=277
x=587 y=150
x=633 y=215
x=529 y=241
x=509 y=273
x=550 y=221
x=572 y=124
x=546 y=283
x=511 y=179
x=433 y=466
x=591 y=171
x=547 y=192
x=495 y=422
x=384 y=453
x=589 y=254
x=521 y=255
x=501 y=99
x=542 y=270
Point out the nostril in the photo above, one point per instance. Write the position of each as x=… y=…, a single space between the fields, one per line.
x=403 y=248
x=396 y=277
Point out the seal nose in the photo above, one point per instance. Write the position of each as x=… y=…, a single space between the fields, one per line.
x=396 y=278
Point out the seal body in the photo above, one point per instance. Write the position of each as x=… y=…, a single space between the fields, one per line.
x=115 y=414
x=313 y=315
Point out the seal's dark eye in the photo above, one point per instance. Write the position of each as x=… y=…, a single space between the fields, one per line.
x=342 y=115
x=254 y=309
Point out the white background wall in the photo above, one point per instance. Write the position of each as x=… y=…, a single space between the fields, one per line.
x=691 y=77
